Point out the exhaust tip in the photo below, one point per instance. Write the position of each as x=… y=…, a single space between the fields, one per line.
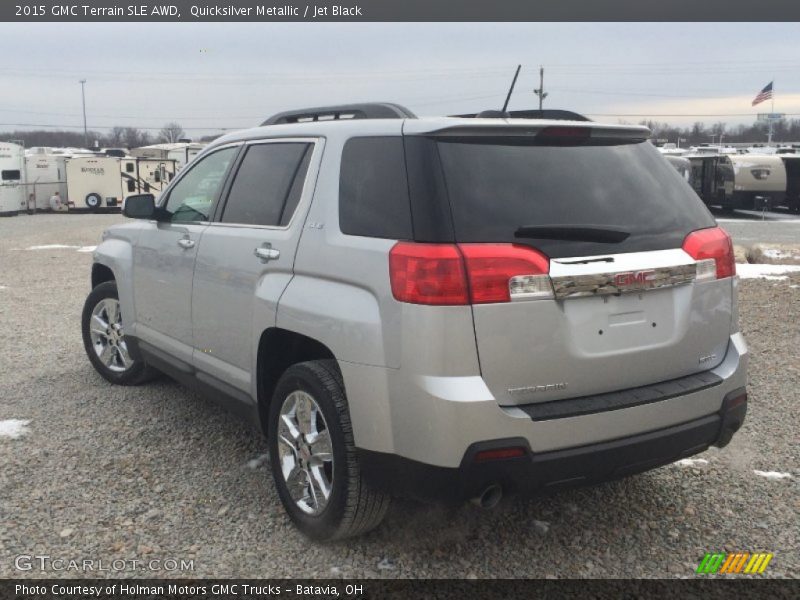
x=489 y=497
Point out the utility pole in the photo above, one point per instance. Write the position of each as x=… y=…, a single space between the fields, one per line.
x=540 y=90
x=83 y=101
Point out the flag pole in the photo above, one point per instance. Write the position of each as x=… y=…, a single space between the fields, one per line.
x=772 y=111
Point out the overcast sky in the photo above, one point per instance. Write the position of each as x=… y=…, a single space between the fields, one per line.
x=213 y=76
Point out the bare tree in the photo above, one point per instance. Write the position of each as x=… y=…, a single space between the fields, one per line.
x=133 y=138
x=116 y=136
x=171 y=133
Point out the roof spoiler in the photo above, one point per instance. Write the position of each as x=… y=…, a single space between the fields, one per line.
x=370 y=110
x=552 y=114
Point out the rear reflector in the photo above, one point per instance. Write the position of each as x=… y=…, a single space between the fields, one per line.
x=450 y=274
x=713 y=250
x=499 y=454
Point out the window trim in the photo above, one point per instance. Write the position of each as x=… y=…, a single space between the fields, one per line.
x=316 y=148
x=164 y=198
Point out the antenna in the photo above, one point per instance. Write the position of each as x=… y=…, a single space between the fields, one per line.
x=511 y=89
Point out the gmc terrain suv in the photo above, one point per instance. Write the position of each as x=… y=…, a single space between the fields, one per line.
x=446 y=308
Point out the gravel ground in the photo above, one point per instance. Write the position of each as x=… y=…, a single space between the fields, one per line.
x=155 y=472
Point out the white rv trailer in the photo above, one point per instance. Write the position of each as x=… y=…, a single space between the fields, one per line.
x=103 y=182
x=12 y=179
x=45 y=175
x=180 y=152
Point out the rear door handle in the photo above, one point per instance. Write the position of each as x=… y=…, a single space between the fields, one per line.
x=265 y=252
x=186 y=243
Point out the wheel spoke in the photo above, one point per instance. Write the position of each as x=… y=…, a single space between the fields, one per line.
x=289 y=426
x=99 y=323
x=124 y=357
x=321 y=450
x=112 y=311
x=288 y=443
x=107 y=355
x=319 y=484
x=297 y=484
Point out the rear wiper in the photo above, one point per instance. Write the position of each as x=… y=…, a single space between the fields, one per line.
x=573 y=233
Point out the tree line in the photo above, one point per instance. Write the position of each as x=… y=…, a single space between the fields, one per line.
x=116 y=137
x=785 y=130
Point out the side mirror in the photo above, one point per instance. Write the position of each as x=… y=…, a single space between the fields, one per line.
x=140 y=206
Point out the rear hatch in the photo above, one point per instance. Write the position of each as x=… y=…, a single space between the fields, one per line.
x=617 y=301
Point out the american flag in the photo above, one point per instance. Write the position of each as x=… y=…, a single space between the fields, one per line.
x=764 y=94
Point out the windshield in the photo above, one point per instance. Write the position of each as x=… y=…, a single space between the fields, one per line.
x=499 y=189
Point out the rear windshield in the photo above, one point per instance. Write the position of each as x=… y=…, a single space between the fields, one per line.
x=497 y=188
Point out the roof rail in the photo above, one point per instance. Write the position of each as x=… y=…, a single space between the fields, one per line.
x=555 y=114
x=367 y=110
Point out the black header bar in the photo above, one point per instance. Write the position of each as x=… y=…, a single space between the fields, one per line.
x=402 y=11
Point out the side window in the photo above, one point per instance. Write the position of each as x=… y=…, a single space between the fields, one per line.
x=268 y=184
x=11 y=175
x=129 y=167
x=373 y=189
x=131 y=185
x=193 y=196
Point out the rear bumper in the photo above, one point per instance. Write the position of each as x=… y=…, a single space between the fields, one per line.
x=536 y=472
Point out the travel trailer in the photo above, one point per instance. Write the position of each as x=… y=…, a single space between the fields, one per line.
x=103 y=182
x=759 y=181
x=180 y=152
x=12 y=179
x=712 y=178
x=791 y=162
x=45 y=175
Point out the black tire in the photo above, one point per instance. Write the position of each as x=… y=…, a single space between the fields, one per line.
x=353 y=507
x=94 y=201
x=138 y=372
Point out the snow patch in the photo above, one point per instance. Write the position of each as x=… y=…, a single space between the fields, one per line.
x=774 y=272
x=256 y=462
x=87 y=248
x=691 y=462
x=773 y=474
x=777 y=253
x=53 y=247
x=13 y=428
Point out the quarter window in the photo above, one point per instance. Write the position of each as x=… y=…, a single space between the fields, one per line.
x=268 y=184
x=193 y=196
x=373 y=189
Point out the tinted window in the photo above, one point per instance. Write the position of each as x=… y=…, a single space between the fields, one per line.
x=497 y=188
x=193 y=196
x=373 y=191
x=11 y=175
x=268 y=184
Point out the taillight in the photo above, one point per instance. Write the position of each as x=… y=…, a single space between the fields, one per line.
x=500 y=272
x=713 y=250
x=450 y=274
x=428 y=274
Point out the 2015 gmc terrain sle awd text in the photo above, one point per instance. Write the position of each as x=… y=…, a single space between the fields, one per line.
x=445 y=308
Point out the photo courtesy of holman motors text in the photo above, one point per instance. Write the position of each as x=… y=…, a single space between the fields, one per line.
x=399 y=299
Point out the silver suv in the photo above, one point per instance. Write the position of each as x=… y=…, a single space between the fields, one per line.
x=442 y=308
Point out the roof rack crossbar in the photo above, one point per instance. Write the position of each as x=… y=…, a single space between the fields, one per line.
x=370 y=110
